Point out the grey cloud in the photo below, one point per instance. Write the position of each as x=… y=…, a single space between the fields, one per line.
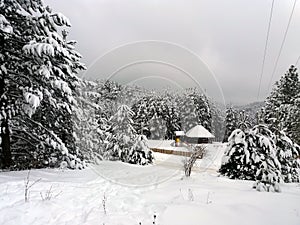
x=228 y=35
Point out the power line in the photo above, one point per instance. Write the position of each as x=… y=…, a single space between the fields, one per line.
x=282 y=44
x=297 y=61
x=265 y=50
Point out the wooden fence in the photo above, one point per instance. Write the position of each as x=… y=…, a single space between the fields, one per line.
x=172 y=152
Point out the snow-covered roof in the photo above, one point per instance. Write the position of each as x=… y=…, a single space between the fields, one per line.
x=199 y=132
x=179 y=133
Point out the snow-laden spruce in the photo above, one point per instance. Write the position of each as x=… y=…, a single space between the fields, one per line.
x=230 y=123
x=236 y=119
x=37 y=84
x=122 y=141
x=282 y=111
x=90 y=123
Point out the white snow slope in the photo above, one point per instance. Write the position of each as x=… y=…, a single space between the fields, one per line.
x=134 y=194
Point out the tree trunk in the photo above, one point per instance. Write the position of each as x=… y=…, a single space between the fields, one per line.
x=5 y=153
x=5 y=160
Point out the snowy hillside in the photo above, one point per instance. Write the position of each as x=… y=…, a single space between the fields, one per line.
x=134 y=194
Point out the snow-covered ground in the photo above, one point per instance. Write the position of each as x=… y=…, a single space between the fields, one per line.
x=117 y=193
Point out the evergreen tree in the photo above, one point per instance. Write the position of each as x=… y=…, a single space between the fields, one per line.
x=268 y=174
x=89 y=125
x=120 y=138
x=261 y=155
x=230 y=123
x=281 y=105
x=218 y=121
x=140 y=152
x=188 y=113
x=123 y=143
x=248 y=152
x=157 y=128
x=110 y=90
x=142 y=116
x=237 y=163
x=172 y=119
x=150 y=109
x=294 y=119
x=174 y=109
x=37 y=82
x=259 y=116
x=243 y=121
x=202 y=108
x=288 y=155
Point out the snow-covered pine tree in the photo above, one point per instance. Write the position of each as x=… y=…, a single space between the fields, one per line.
x=259 y=116
x=243 y=120
x=288 y=154
x=139 y=152
x=237 y=162
x=122 y=134
x=164 y=106
x=157 y=105
x=261 y=155
x=121 y=142
x=218 y=120
x=157 y=128
x=268 y=174
x=202 y=106
x=110 y=90
x=109 y=98
x=282 y=102
x=158 y=114
x=294 y=118
x=174 y=109
x=89 y=126
x=249 y=153
x=142 y=115
x=38 y=67
x=188 y=112
x=133 y=93
x=172 y=118
x=230 y=123
x=161 y=107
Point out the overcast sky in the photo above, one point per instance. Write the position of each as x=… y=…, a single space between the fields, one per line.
x=228 y=36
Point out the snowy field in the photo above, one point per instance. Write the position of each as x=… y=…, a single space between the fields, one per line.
x=117 y=193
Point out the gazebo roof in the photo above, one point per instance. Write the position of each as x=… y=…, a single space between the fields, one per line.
x=199 y=132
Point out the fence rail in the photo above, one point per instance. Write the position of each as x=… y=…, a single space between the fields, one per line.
x=172 y=152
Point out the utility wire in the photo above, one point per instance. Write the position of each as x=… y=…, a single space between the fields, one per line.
x=265 y=50
x=297 y=61
x=282 y=44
